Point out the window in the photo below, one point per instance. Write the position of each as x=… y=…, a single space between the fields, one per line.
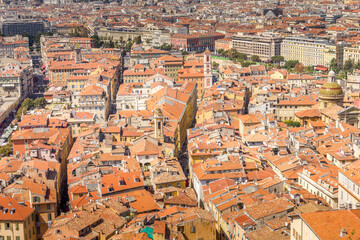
x=193 y=229
x=36 y=199
x=7 y=226
x=49 y=217
x=8 y=238
x=17 y=226
x=48 y=206
x=17 y=238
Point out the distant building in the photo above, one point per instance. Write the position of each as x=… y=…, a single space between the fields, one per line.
x=16 y=81
x=195 y=42
x=263 y=46
x=31 y=27
x=8 y=44
x=311 y=52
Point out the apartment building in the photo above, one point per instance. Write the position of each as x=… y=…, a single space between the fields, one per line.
x=32 y=27
x=17 y=221
x=224 y=43
x=60 y=137
x=195 y=42
x=353 y=80
x=95 y=99
x=311 y=52
x=139 y=56
x=171 y=64
x=325 y=225
x=8 y=44
x=139 y=73
x=40 y=197
x=16 y=81
x=264 y=46
x=352 y=52
x=286 y=108
x=349 y=186
x=321 y=182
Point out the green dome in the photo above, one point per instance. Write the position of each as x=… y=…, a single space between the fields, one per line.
x=331 y=89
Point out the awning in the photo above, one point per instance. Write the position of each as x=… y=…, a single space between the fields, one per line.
x=321 y=68
x=47 y=78
x=43 y=66
x=44 y=71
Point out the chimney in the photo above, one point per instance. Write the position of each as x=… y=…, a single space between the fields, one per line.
x=343 y=232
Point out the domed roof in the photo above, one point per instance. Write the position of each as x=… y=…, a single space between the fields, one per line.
x=331 y=74
x=331 y=89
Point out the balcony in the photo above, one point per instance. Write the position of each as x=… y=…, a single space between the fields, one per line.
x=91 y=103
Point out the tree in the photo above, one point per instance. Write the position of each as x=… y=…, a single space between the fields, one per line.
x=28 y=103
x=246 y=63
x=309 y=69
x=334 y=65
x=6 y=150
x=357 y=65
x=299 y=68
x=277 y=58
x=255 y=58
x=137 y=40
x=40 y=102
x=97 y=41
x=20 y=112
x=348 y=65
x=291 y=64
x=292 y=123
x=184 y=53
x=166 y=47
x=215 y=65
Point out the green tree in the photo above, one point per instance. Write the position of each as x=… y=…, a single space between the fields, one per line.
x=215 y=65
x=137 y=40
x=28 y=103
x=277 y=58
x=40 y=102
x=348 y=65
x=20 y=112
x=292 y=123
x=255 y=58
x=291 y=64
x=309 y=69
x=6 y=150
x=97 y=41
x=220 y=51
x=166 y=47
x=334 y=65
x=184 y=53
x=246 y=63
